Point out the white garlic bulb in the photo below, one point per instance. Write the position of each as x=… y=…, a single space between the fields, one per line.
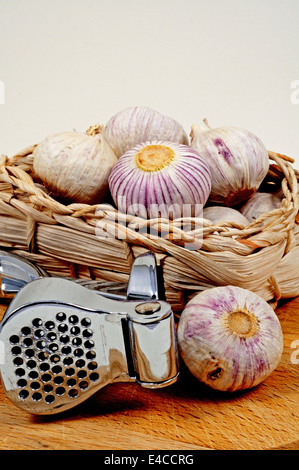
x=138 y=124
x=238 y=161
x=217 y=214
x=75 y=165
x=230 y=338
x=260 y=203
x=160 y=179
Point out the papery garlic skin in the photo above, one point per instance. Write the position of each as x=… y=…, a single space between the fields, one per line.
x=218 y=214
x=238 y=161
x=75 y=165
x=230 y=338
x=138 y=124
x=260 y=203
x=160 y=179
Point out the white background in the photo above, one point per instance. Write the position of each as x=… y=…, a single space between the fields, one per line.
x=67 y=64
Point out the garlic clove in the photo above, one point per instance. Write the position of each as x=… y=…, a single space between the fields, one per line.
x=160 y=179
x=260 y=203
x=138 y=124
x=75 y=165
x=218 y=214
x=238 y=161
x=230 y=338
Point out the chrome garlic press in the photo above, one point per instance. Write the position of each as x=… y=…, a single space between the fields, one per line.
x=61 y=342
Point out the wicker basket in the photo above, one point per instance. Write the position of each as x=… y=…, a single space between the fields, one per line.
x=97 y=243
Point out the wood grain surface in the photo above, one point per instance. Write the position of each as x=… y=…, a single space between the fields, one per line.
x=184 y=416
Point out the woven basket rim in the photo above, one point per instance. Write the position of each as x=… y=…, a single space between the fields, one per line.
x=18 y=172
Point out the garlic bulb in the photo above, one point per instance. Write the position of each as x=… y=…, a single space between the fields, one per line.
x=230 y=338
x=260 y=203
x=75 y=165
x=238 y=161
x=138 y=124
x=217 y=214
x=160 y=179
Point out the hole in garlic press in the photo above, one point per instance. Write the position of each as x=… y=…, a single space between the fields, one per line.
x=29 y=353
x=62 y=328
x=61 y=316
x=82 y=374
x=60 y=391
x=73 y=393
x=23 y=394
x=73 y=319
x=68 y=361
x=58 y=380
x=33 y=375
x=18 y=361
x=36 y=396
x=22 y=383
x=50 y=325
x=34 y=385
x=16 y=350
x=46 y=377
x=20 y=372
x=25 y=331
x=77 y=342
x=49 y=399
x=56 y=369
x=14 y=339
x=31 y=364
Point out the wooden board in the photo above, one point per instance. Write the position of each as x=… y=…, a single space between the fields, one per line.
x=184 y=416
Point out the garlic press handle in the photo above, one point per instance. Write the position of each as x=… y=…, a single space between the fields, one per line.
x=15 y=273
x=143 y=281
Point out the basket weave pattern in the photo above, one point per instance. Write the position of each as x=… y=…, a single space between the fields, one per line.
x=97 y=242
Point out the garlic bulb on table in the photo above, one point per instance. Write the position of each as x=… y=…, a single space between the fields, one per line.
x=138 y=124
x=217 y=214
x=238 y=161
x=230 y=338
x=160 y=179
x=260 y=203
x=75 y=165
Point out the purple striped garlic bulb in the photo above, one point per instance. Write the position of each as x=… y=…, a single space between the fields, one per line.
x=230 y=338
x=238 y=161
x=160 y=179
x=139 y=124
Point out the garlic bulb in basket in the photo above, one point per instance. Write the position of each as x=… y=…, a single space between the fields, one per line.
x=138 y=124
x=75 y=165
x=238 y=161
x=260 y=203
x=230 y=338
x=217 y=214
x=160 y=179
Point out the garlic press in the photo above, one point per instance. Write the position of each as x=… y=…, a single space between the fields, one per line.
x=61 y=342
